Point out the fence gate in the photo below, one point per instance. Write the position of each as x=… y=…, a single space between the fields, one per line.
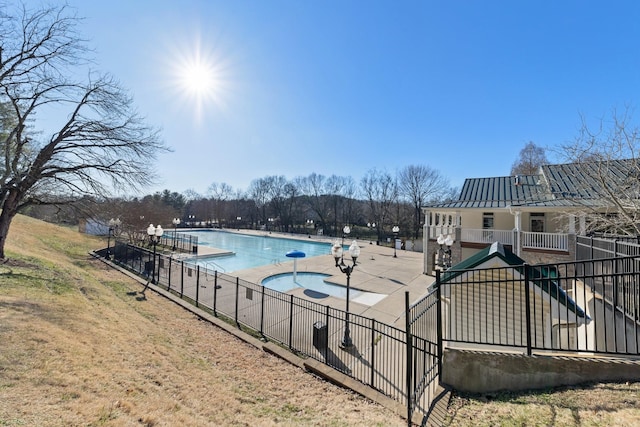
x=424 y=351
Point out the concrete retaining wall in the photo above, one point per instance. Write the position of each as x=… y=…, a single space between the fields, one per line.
x=483 y=372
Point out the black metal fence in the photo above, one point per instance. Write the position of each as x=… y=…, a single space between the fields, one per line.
x=378 y=357
x=606 y=247
x=180 y=242
x=588 y=306
x=584 y=306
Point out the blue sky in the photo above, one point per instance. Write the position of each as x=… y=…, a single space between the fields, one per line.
x=341 y=87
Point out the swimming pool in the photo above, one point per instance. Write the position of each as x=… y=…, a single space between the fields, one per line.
x=252 y=251
x=316 y=287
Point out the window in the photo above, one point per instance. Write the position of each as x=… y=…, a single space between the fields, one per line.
x=487 y=224
x=487 y=220
x=537 y=222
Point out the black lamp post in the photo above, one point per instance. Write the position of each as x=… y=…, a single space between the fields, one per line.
x=155 y=233
x=113 y=224
x=395 y=230
x=337 y=252
x=176 y=223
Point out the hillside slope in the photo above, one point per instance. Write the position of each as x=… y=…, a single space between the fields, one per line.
x=78 y=347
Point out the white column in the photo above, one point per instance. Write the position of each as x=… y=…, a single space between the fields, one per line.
x=518 y=223
x=583 y=225
x=572 y=224
x=518 y=220
x=425 y=241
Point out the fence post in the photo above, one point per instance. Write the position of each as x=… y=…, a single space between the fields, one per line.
x=197 y=284
x=169 y=281
x=181 y=279
x=527 y=301
x=439 y=324
x=326 y=348
x=291 y=323
x=215 y=292
x=373 y=352
x=262 y=312
x=237 y=298
x=409 y=361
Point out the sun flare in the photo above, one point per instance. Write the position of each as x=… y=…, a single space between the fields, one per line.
x=197 y=77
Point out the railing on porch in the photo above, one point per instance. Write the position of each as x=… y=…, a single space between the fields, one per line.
x=548 y=241
x=529 y=240
x=487 y=236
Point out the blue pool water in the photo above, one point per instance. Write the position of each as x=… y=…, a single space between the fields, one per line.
x=252 y=251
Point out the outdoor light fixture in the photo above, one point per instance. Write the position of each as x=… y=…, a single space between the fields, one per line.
x=444 y=255
x=154 y=233
x=113 y=225
x=176 y=223
x=395 y=230
x=338 y=256
x=345 y=232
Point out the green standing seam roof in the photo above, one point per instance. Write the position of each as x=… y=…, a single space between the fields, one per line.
x=555 y=186
x=540 y=276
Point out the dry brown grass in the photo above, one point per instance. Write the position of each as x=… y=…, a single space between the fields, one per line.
x=612 y=404
x=78 y=349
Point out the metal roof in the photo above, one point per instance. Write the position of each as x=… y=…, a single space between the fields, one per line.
x=560 y=186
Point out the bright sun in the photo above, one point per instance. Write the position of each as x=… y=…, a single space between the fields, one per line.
x=197 y=78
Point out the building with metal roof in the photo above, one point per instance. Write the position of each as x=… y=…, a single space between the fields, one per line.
x=537 y=216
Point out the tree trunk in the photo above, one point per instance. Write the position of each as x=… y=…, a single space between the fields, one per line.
x=9 y=211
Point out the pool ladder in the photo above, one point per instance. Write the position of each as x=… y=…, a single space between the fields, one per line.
x=217 y=267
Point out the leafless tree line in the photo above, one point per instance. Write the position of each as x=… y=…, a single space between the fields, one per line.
x=312 y=204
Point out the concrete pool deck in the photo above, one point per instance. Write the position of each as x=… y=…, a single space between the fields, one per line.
x=376 y=271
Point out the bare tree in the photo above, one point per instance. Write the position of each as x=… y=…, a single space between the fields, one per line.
x=102 y=146
x=259 y=193
x=602 y=175
x=381 y=192
x=314 y=188
x=219 y=194
x=529 y=161
x=420 y=184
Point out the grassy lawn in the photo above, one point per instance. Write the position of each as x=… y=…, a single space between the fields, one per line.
x=603 y=405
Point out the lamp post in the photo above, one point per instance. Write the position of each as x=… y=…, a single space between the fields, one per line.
x=176 y=223
x=113 y=224
x=337 y=252
x=444 y=255
x=155 y=233
x=395 y=230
